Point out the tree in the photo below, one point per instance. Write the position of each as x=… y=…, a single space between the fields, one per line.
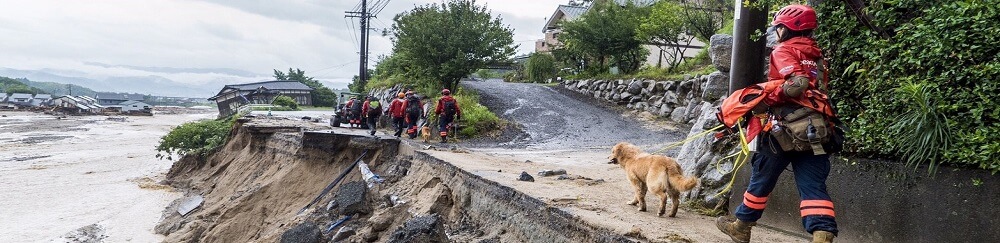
x=285 y=101
x=704 y=18
x=321 y=95
x=540 y=67
x=446 y=42
x=357 y=85
x=665 y=28
x=607 y=32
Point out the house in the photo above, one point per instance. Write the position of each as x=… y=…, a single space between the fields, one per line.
x=552 y=28
x=133 y=106
x=233 y=97
x=3 y=102
x=109 y=99
x=19 y=100
x=658 y=55
x=41 y=100
x=77 y=104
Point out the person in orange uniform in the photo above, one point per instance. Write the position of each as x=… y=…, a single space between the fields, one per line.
x=447 y=110
x=796 y=63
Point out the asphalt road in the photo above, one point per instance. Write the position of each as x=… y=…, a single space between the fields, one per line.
x=555 y=118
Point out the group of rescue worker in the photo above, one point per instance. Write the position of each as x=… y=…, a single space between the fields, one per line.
x=407 y=112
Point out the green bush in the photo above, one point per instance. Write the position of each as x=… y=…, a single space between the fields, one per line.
x=197 y=137
x=540 y=67
x=286 y=101
x=477 y=120
x=948 y=45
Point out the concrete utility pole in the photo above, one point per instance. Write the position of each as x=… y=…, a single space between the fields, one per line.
x=748 y=55
x=365 y=16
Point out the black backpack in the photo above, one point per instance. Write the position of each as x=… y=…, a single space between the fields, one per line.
x=413 y=106
x=450 y=107
x=374 y=108
x=356 y=107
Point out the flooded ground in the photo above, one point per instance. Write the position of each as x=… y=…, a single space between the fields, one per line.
x=82 y=176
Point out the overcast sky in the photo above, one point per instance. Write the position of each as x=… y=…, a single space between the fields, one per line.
x=215 y=41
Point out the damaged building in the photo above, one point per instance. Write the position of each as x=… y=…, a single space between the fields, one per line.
x=234 y=97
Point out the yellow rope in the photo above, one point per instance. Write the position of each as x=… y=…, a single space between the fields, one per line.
x=740 y=159
x=689 y=139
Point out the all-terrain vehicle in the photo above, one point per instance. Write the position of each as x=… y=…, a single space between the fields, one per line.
x=343 y=114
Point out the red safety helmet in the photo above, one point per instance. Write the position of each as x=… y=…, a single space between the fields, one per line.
x=796 y=17
x=445 y=92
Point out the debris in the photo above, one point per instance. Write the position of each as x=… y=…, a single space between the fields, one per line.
x=188 y=204
x=370 y=178
x=351 y=198
x=527 y=161
x=87 y=234
x=306 y=118
x=551 y=172
x=338 y=223
x=526 y=177
x=342 y=234
x=302 y=233
x=420 y=229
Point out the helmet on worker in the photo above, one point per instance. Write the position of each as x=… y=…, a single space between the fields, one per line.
x=796 y=17
x=445 y=92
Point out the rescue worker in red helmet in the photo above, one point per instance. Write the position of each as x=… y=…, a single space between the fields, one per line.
x=447 y=110
x=397 y=113
x=797 y=64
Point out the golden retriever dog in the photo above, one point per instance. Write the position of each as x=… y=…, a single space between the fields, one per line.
x=658 y=174
x=425 y=132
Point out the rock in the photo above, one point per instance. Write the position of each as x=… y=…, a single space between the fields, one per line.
x=640 y=105
x=93 y=233
x=527 y=161
x=716 y=87
x=670 y=98
x=343 y=233
x=679 y=115
x=665 y=110
x=421 y=229
x=626 y=96
x=659 y=87
x=597 y=94
x=303 y=233
x=603 y=87
x=670 y=86
x=721 y=51
x=551 y=172
x=684 y=88
x=351 y=198
x=635 y=88
x=583 y=84
x=687 y=76
x=693 y=110
x=655 y=100
x=616 y=97
x=526 y=177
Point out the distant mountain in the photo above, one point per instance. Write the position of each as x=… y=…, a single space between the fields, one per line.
x=155 y=85
x=9 y=86
x=58 y=89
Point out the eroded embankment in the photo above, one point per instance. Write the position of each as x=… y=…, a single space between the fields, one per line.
x=255 y=186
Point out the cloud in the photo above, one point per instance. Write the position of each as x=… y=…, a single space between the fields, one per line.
x=209 y=43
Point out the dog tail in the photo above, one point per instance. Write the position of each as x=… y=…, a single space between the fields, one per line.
x=679 y=181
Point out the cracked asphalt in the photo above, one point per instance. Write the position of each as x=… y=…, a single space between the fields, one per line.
x=555 y=118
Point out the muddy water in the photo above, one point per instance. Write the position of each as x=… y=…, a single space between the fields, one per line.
x=60 y=175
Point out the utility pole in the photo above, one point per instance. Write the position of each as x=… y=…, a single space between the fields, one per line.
x=748 y=55
x=363 y=53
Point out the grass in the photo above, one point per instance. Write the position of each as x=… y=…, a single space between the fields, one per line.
x=478 y=119
x=272 y=108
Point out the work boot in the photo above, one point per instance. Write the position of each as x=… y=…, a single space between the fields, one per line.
x=737 y=230
x=820 y=236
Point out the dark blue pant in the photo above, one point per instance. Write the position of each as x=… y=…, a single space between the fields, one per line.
x=810 y=170
x=412 y=125
x=444 y=124
x=399 y=124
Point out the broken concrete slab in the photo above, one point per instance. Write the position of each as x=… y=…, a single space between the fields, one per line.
x=188 y=204
x=420 y=229
x=303 y=233
x=351 y=198
x=525 y=177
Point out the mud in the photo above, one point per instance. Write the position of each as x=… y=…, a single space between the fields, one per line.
x=256 y=184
